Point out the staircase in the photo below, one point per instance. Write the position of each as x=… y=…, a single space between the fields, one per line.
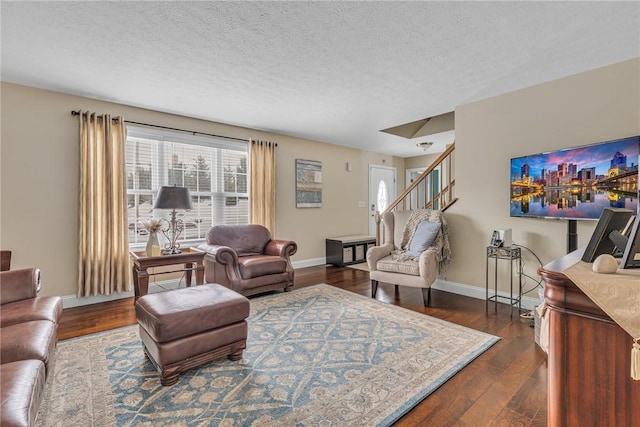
x=433 y=189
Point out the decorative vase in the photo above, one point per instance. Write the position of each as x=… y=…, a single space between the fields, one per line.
x=151 y=242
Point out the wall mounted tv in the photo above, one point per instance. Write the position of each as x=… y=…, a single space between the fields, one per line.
x=576 y=183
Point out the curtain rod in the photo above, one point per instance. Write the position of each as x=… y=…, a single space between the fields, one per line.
x=77 y=113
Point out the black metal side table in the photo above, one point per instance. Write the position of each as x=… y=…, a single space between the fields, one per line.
x=511 y=254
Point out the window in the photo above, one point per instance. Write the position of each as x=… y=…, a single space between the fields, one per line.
x=214 y=170
x=383 y=196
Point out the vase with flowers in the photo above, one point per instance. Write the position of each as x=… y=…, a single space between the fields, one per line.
x=152 y=225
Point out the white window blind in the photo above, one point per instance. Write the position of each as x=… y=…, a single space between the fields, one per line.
x=214 y=169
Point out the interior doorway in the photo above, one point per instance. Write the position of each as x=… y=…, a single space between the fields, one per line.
x=416 y=197
x=382 y=191
x=426 y=190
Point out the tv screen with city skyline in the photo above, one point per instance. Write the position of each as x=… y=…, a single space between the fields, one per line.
x=576 y=183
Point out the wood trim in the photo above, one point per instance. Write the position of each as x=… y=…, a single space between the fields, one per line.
x=5 y=260
x=170 y=373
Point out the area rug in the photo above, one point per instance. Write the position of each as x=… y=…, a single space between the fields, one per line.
x=317 y=356
x=360 y=266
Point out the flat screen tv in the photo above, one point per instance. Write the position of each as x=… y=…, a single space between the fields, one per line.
x=576 y=183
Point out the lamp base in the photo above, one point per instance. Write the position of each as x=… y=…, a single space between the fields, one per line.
x=172 y=251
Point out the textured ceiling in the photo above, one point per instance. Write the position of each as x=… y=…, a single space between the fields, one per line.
x=336 y=72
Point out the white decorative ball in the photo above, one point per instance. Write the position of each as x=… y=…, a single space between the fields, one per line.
x=606 y=264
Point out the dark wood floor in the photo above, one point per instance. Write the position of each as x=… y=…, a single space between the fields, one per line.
x=505 y=386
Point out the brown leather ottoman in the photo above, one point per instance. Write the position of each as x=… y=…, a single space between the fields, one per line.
x=185 y=328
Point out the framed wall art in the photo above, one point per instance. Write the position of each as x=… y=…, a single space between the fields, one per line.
x=308 y=183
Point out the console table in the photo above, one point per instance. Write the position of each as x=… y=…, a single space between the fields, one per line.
x=192 y=259
x=589 y=382
x=344 y=250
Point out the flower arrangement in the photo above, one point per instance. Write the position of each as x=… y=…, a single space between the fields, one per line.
x=152 y=225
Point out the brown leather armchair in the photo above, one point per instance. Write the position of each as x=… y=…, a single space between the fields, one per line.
x=246 y=259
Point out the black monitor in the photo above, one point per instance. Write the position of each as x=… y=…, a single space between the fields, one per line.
x=611 y=220
x=631 y=258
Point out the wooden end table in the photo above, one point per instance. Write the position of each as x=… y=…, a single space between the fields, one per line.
x=192 y=259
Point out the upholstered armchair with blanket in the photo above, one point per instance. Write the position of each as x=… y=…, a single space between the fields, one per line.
x=414 y=250
x=247 y=260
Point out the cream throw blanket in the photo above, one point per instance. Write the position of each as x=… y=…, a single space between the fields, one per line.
x=443 y=255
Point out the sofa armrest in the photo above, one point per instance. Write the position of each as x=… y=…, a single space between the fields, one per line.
x=226 y=258
x=376 y=253
x=219 y=253
x=16 y=285
x=283 y=248
x=428 y=264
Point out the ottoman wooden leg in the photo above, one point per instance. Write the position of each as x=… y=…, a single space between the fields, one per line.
x=169 y=376
x=236 y=351
x=235 y=356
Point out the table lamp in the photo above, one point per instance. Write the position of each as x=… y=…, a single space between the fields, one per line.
x=172 y=197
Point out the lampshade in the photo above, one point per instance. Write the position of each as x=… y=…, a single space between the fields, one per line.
x=173 y=198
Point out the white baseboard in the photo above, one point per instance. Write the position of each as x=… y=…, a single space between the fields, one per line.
x=308 y=263
x=69 y=301
x=528 y=303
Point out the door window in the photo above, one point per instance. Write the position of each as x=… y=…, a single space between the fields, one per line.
x=383 y=196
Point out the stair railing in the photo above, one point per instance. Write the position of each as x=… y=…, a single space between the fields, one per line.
x=433 y=189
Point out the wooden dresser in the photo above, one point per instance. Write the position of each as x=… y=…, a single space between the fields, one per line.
x=589 y=381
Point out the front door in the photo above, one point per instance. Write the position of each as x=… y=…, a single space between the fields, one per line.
x=382 y=191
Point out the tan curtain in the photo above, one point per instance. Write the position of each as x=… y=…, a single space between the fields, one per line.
x=103 y=265
x=263 y=184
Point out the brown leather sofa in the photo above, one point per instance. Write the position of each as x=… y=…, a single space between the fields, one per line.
x=247 y=260
x=28 y=336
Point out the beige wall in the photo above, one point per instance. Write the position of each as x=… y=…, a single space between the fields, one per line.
x=595 y=106
x=39 y=170
x=420 y=161
x=39 y=188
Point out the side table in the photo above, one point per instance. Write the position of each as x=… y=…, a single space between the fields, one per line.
x=192 y=259
x=511 y=254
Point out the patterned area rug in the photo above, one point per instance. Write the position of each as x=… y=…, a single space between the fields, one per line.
x=317 y=356
x=361 y=266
